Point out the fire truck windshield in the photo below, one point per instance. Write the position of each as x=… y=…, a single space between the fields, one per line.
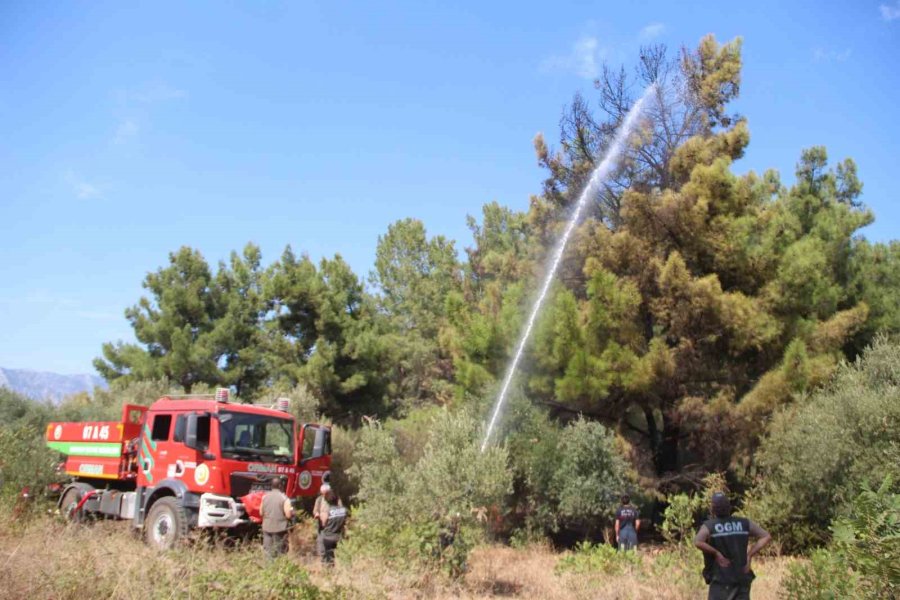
x=247 y=436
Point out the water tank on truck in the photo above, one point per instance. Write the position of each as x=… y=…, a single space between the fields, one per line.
x=188 y=462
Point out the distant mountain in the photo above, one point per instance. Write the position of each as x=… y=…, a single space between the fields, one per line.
x=47 y=386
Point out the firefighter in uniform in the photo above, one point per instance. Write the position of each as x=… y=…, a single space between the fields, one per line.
x=332 y=517
x=276 y=512
x=723 y=539
x=628 y=523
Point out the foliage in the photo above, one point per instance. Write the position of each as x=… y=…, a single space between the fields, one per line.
x=867 y=537
x=591 y=474
x=403 y=508
x=598 y=563
x=818 y=453
x=343 y=443
x=415 y=275
x=322 y=331
x=824 y=576
x=598 y=558
x=25 y=460
x=16 y=409
x=863 y=558
x=177 y=324
x=680 y=517
x=694 y=307
x=253 y=328
x=533 y=445
x=693 y=302
x=564 y=476
x=437 y=545
x=102 y=560
x=280 y=578
x=106 y=405
x=684 y=512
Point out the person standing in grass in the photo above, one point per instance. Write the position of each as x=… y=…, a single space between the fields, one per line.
x=628 y=523
x=276 y=512
x=332 y=517
x=317 y=507
x=723 y=539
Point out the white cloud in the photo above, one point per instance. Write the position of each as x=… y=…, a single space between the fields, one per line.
x=823 y=55
x=652 y=31
x=584 y=59
x=126 y=130
x=153 y=93
x=83 y=190
x=136 y=106
x=889 y=13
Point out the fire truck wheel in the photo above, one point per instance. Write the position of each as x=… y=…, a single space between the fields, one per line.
x=166 y=524
x=67 y=506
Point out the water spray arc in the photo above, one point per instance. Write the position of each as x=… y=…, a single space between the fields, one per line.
x=599 y=174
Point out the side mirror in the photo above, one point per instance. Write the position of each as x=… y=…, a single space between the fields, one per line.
x=190 y=433
x=314 y=442
x=319 y=445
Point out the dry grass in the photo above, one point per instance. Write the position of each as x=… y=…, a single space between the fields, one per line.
x=504 y=572
x=45 y=558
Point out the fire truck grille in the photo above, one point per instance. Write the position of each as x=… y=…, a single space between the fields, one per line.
x=244 y=483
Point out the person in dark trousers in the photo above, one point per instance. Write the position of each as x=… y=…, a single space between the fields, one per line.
x=276 y=512
x=723 y=539
x=628 y=523
x=332 y=516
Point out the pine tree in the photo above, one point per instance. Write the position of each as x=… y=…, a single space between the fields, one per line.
x=176 y=325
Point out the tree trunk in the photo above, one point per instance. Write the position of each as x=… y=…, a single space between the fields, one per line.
x=668 y=456
x=654 y=436
x=663 y=444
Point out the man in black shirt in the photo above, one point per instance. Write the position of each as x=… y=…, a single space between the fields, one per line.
x=332 y=517
x=723 y=540
x=628 y=523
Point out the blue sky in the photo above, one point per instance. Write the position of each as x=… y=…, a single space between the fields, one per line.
x=130 y=129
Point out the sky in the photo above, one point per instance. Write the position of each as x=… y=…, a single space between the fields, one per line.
x=128 y=130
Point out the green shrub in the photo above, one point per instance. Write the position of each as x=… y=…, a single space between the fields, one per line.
x=343 y=443
x=407 y=512
x=678 y=568
x=591 y=474
x=16 y=409
x=685 y=512
x=598 y=558
x=106 y=405
x=568 y=476
x=679 y=519
x=532 y=441
x=25 y=460
x=411 y=433
x=255 y=577
x=818 y=452
x=863 y=558
x=823 y=577
x=867 y=537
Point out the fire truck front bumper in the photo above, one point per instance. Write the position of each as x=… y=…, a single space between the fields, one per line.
x=220 y=511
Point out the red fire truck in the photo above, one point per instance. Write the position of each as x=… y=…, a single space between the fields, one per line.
x=186 y=462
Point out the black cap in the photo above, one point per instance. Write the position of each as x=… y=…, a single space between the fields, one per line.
x=721 y=506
